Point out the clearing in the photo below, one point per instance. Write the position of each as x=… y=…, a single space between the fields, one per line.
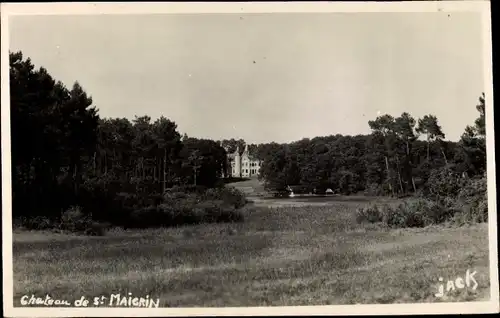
x=283 y=255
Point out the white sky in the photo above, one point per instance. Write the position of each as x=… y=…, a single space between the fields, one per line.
x=314 y=74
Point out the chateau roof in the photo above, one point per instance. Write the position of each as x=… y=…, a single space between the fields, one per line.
x=233 y=155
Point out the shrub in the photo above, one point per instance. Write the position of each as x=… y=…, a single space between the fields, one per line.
x=471 y=203
x=219 y=211
x=96 y=229
x=228 y=195
x=370 y=214
x=473 y=190
x=444 y=182
x=150 y=216
x=469 y=214
x=188 y=188
x=39 y=223
x=410 y=213
x=74 y=220
x=230 y=215
x=405 y=215
x=184 y=208
x=374 y=189
x=480 y=210
x=417 y=213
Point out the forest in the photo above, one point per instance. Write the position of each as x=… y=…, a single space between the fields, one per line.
x=72 y=167
x=399 y=158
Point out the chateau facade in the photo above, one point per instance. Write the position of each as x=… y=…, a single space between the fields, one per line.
x=243 y=165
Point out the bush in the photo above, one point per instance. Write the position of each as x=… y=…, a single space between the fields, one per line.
x=183 y=213
x=473 y=190
x=411 y=213
x=96 y=229
x=228 y=215
x=370 y=214
x=75 y=221
x=191 y=207
x=39 y=223
x=228 y=195
x=472 y=202
x=219 y=211
x=188 y=188
x=150 y=216
x=480 y=210
x=418 y=213
x=469 y=214
x=470 y=205
x=374 y=189
x=444 y=182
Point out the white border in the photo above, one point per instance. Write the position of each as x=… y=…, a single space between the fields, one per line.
x=240 y=7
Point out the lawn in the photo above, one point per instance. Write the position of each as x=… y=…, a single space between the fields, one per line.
x=288 y=255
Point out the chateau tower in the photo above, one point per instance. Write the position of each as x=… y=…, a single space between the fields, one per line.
x=245 y=152
x=237 y=162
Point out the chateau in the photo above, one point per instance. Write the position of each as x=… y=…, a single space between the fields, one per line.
x=243 y=165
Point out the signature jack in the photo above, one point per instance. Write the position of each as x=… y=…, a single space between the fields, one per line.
x=457 y=283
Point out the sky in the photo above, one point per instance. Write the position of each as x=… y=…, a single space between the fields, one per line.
x=266 y=77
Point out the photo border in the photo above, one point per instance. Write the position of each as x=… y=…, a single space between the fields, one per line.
x=13 y=9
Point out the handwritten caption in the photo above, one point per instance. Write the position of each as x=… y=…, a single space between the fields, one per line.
x=458 y=283
x=111 y=300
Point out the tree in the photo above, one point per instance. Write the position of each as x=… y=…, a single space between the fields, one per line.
x=204 y=156
x=81 y=135
x=384 y=126
x=195 y=161
x=471 y=151
x=480 y=123
x=429 y=126
x=232 y=144
x=63 y=154
x=404 y=127
x=53 y=135
x=167 y=150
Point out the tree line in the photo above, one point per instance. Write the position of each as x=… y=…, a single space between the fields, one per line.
x=397 y=158
x=64 y=154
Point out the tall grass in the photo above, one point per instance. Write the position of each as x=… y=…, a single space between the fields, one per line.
x=308 y=255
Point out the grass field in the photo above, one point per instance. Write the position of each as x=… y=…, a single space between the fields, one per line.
x=288 y=255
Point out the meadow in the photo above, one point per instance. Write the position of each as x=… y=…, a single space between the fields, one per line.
x=297 y=253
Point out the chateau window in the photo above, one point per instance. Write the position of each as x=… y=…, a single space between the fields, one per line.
x=246 y=170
